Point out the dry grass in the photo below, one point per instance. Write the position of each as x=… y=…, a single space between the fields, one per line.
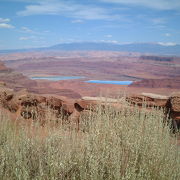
x=110 y=145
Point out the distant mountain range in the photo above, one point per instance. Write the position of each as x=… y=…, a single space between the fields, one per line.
x=154 y=48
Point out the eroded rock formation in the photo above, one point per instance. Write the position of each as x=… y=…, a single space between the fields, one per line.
x=170 y=104
x=173 y=108
x=148 y=99
x=32 y=106
x=40 y=107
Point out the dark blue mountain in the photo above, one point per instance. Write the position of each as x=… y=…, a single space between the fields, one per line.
x=153 y=48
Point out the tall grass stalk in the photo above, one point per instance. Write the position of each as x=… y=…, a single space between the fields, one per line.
x=111 y=144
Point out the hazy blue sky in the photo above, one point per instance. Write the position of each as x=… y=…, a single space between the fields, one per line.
x=37 y=23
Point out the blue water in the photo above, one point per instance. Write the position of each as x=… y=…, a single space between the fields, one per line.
x=110 y=82
x=58 y=78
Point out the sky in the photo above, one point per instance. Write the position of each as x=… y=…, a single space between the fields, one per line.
x=42 y=23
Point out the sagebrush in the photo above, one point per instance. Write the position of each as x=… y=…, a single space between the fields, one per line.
x=111 y=144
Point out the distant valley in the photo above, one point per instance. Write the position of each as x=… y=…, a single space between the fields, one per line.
x=149 y=73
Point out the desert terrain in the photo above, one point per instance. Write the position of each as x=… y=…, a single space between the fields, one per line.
x=89 y=90
x=149 y=73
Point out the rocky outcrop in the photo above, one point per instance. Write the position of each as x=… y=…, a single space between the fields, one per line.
x=148 y=99
x=82 y=104
x=173 y=109
x=32 y=106
x=75 y=116
x=171 y=104
x=43 y=108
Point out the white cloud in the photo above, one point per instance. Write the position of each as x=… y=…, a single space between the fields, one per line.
x=27 y=30
x=6 y=26
x=4 y=20
x=25 y=38
x=4 y=23
x=110 y=41
x=68 y=9
x=167 y=43
x=31 y=34
x=155 y=4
